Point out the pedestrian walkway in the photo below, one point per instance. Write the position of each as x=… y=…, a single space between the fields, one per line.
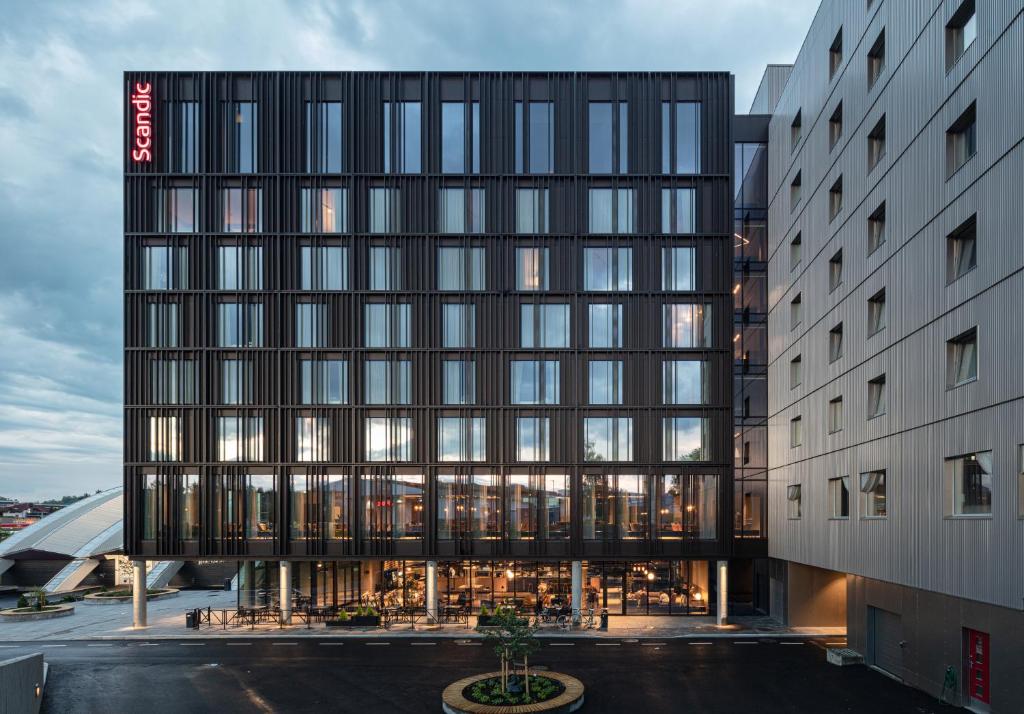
x=166 y=619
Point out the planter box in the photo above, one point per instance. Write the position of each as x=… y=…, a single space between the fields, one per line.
x=485 y=621
x=99 y=599
x=57 y=611
x=356 y=621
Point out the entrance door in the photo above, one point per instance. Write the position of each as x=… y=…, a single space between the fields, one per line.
x=976 y=656
x=886 y=643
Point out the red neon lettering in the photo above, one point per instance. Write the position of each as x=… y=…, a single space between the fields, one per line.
x=142 y=101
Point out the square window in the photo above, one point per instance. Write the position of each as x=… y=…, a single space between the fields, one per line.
x=685 y=439
x=532 y=210
x=839 y=497
x=962 y=358
x=684 y=382
x=312 y=438
x=605 y=326
x=533 y=439
x=961 y=249
x=961 y=140
x=607 y=269
x=458 y=326
x=969 y=485
x=876 y=397
x=608 y=439
x=835 y=415
x=459 y=382
x=534 y=381
x=605 y=383
x=461 y=439
x=876 y=143
x=874 y=503
x=323 y=210
x=532 y=269
x=876 y=59
x=679 y=269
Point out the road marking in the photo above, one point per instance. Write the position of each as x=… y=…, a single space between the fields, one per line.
x=470 y=644
x=422 y=644
x=378 y=644
x=699 y=643
x=192 y=644
x=745 y=643
x=238 y=644
x=654 y=644
x=11 y=647
x=791 y=643
x=44 y=646
x=561 y=644
x=608 y=644
x=284 y=644
x=149 y=644
x=331 y=644
x=99 y=645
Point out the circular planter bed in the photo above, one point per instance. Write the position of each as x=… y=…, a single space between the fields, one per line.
x=25 y=614
x=565 y=694
x=118 y=597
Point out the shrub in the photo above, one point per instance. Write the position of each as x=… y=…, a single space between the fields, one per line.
x=22 y=601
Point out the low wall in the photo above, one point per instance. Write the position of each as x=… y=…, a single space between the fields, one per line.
x=21 y=684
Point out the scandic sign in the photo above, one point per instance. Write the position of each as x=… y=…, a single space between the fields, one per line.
x=142 y=102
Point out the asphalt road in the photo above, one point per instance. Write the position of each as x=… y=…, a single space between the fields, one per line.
x=407 y=675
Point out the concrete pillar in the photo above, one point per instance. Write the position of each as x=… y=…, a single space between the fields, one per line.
x=577 y=586
x=139 y=593
x=247 y=584
x=431 y=590
x=723 y=592
x=286 y=592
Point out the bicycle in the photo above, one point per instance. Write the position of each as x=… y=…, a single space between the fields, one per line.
x=583 y=619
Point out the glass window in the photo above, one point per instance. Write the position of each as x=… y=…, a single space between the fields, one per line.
x=544 y=326
x=456 y=214
x=961 y=140
x=687 y=325
x=458 y=326
x=876 y=396
x=325 y=138
x=385 y=210
x=323 y=381
x=795 y=371
x=260 y=510
x=164 y=438
x=461 y=268
x=388 y=439
x=873 y=496
x=173 y=381
x=242 y=210
x=312 y=438
x=188 y=506
x=320 y=515
x=521 y=499
x=611 y=210
x=796 y=311
x=537 y=147
x=485 y=510
x=835 y=270
x=236 y=381
x=835 y=415
x=178 y=210
x=311 y=325
x=685 y=439
x=402 y=150
x=164 y=267
x=608 y=143
x=679 y=268
x=682 y=130
x=239 y=267
x=532 y=269
x=969 y=480
x=453 y=137
x=605 y=382
x=678 y=210
x=876 y=312
x=162 y=324
x=533 y=439
x=962 y=358
x=687 y=506
x=794 y=499
x=532 y=206
x=461 y=439
x=388 y=382
x=608 y=439
x=605 y=326
x=614 y=507
x=387 y=325
x=323 y=267
x=451 y=507
x=839 y=497
x=324 y=210
x=242 y=130
x=876 y=228
x=459 y=377
x=393 y=507
x=182 y=136
x=796 y=431
x=685 y=382
x=239 y=324
x=385 y=267
x=961 y=250
x=961 y=31
x=607 y=269
x=535 y=382
x=239 y=438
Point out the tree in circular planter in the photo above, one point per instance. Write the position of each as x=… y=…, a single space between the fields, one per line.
x=512 y=637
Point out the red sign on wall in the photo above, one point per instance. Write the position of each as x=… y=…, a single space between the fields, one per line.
x=142 y=103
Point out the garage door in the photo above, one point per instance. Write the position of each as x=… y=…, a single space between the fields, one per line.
x=886 y=633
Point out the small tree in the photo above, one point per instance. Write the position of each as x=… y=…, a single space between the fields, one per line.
x=511 y=636
x=126 y=569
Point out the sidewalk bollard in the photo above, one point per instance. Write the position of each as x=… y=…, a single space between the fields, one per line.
x=604 y=620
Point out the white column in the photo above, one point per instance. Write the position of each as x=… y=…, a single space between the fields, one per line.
x=286 y=592
x=577 y=585
x=139 y=593
x=723 y=591
x=431 y=590
x=247 y=584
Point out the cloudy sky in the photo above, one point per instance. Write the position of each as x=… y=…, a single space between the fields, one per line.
x=60 y=124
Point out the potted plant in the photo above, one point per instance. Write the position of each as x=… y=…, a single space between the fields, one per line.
x=485 y=616
x=366 y=617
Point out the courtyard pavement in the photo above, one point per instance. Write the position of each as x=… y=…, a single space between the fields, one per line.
x=166 y=618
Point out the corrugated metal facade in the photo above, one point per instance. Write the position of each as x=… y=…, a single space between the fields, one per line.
x=925 y=422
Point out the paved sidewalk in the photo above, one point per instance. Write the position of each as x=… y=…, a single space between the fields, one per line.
x=167 y=621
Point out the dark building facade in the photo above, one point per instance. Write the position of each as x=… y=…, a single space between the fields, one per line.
x=473 y=329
